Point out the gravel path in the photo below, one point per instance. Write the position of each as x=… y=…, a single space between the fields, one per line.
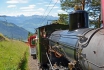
x=32 y=63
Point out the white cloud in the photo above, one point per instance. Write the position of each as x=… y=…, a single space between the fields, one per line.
x=30 y=7
x=39 y=13
x=50 y=5
x=28 y=10
x=23 y=1
x=19 y=13
x=41 y=9
x=55 y=15
x=28 y=13
x=58 y=1
x=61 y=11
x=55 y=7
x=11 y=1
x=11 y=6
x=17 y=1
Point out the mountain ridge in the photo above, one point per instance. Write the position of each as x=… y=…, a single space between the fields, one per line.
x=18 y=26
x=29 y=22
x=13 y=31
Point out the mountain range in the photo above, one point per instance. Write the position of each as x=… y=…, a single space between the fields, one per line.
x=11 y=30
x=18 y=26
x=29 y=22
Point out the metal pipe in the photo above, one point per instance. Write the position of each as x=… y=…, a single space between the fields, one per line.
x=49 y=61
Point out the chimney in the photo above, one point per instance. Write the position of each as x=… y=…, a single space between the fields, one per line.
x=78 y=19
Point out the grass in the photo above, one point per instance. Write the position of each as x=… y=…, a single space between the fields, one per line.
x=2 y=37
x=13 y=55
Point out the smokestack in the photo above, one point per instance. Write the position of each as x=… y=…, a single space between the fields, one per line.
x=78 y=19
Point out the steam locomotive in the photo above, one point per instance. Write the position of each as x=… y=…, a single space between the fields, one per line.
x=71 y=47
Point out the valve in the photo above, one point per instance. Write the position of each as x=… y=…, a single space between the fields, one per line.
x=71 y=65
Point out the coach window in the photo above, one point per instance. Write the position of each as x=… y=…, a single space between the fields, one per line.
x=33 y=41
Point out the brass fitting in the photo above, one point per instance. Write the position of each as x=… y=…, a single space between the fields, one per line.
x=71 y=65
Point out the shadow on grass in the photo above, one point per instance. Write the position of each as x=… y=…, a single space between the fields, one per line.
x=24 y=62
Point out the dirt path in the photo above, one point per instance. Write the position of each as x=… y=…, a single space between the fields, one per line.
x=32 y=63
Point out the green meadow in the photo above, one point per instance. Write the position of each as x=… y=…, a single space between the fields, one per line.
x=13 y=55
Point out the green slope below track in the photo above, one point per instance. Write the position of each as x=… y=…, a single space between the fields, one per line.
x=13 y=55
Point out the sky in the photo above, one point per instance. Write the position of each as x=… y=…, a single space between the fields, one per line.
x=30 y=7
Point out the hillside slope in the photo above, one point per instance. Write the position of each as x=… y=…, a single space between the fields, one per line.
x=13 y=31
x=13 y=55
x=2 y=38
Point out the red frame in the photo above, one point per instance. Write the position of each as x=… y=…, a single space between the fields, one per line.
x=29 y=40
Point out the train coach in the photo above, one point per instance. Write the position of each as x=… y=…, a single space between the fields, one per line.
x=32 y=40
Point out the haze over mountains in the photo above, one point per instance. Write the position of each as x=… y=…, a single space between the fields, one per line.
x=18 y=27
x=29 y=22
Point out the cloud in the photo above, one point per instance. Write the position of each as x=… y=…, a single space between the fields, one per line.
x=12 y=2
x=41 y=9
x=29 y=8
x=58 y=1
x=17 y=1
x=61 y=11
x=39 y=13
x=11 y=6
x=20 y=13
x=55 y=7
x=55 y=15
x=50 y=5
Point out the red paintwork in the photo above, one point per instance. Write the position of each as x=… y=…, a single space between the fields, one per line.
x=102 y=9
x=29 y=41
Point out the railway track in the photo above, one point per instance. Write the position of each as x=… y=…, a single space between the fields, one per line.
x=32 y=63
